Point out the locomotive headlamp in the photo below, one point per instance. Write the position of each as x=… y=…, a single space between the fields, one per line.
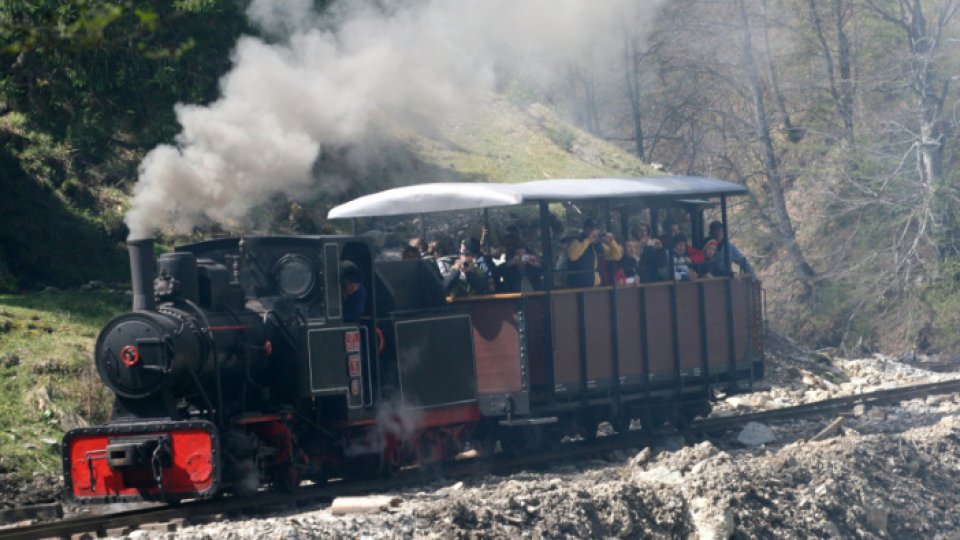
x=294 y=276
x=130 y=355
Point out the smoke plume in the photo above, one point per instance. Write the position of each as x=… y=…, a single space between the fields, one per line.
x=321 y=81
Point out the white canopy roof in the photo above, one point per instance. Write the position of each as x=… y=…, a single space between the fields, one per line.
x=445 y=197
x=425 y=198
x=571 y=189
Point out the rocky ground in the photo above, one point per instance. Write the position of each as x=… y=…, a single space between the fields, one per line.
x=890 y=472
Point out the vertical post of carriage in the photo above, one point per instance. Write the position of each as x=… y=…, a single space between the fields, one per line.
x=582 y=334
x=728 y=288
x=423 y=226
x=645 y=353
x=486 y=225
x=704 y=348
x=675 y=335
x=614 y=336
x=546 y=247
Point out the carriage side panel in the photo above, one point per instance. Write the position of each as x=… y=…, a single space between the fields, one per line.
x=659 y=332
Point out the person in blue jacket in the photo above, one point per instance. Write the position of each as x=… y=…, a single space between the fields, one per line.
x=352 y=291
x=720 y=265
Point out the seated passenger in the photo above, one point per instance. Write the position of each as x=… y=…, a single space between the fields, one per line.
x=720 y=266
x=586 y=252
x=470 y=274
x=705 y=268
x=437 y=251
x=680 y=261
x=521 y=272
x=420 y=245
x=670 y=229
x=630 y=263
x=410 y=253
x=352 y=292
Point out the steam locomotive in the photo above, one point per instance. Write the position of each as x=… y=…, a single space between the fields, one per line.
x=236 y=370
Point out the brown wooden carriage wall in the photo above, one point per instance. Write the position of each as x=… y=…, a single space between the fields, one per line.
x=668 y=339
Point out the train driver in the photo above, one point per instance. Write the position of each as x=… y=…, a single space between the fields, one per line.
x=352 y=291
x=585 y=253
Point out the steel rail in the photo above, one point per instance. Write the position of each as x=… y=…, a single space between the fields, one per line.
x=466 y=468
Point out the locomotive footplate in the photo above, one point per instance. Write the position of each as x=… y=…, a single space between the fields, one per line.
x=143 y=461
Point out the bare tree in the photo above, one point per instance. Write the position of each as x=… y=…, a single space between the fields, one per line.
x=774 y=183
x=840 y=73
x=924 y=28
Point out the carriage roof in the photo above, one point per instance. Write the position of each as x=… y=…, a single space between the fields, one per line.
x=452 y=196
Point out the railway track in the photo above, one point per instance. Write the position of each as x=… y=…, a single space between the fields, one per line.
x=121 y=522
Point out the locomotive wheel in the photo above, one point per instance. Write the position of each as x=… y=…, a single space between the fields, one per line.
x=520 y=440
x=389 y=463
x=285 y=478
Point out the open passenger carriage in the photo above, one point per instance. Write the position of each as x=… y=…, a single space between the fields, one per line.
x=558 y=361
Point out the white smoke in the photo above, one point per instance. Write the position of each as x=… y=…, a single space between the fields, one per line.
x=323 y=81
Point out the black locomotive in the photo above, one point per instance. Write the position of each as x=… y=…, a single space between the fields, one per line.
x=237 y=369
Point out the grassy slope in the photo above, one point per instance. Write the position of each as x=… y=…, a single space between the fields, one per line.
x=504 y=143
x=47 y=380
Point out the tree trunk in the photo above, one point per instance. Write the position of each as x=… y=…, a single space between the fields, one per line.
x=762 y=126
x=632 y=65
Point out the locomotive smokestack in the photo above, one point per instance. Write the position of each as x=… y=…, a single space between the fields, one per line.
x=143 y=268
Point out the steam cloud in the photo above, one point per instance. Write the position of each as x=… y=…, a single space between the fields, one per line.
x=322 y=81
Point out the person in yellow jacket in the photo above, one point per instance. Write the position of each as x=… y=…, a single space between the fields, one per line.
x=585 y=254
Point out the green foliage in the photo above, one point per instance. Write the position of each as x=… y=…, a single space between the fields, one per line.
x=102 y=77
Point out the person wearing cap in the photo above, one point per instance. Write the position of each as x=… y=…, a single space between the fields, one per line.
x=721 y=266
x=586 y=252
x=352 y=292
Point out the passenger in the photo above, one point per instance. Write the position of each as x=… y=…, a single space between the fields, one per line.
x=586 y=253
x=352 y=292
x=421 y=246
x=521 y=272
x=706 y=268
x=470 y=275
x=680 y=261
x=410 y=253
x=652 y=258
x=562 y=265
x=720 y=266
x=670 y=229
x=630 y=263
x=437 y=251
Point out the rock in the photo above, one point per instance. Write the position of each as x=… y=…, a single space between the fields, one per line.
x=641 y=458
x=877 y=517
x=756 y=434
x=363 y=505
x=712 y=522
